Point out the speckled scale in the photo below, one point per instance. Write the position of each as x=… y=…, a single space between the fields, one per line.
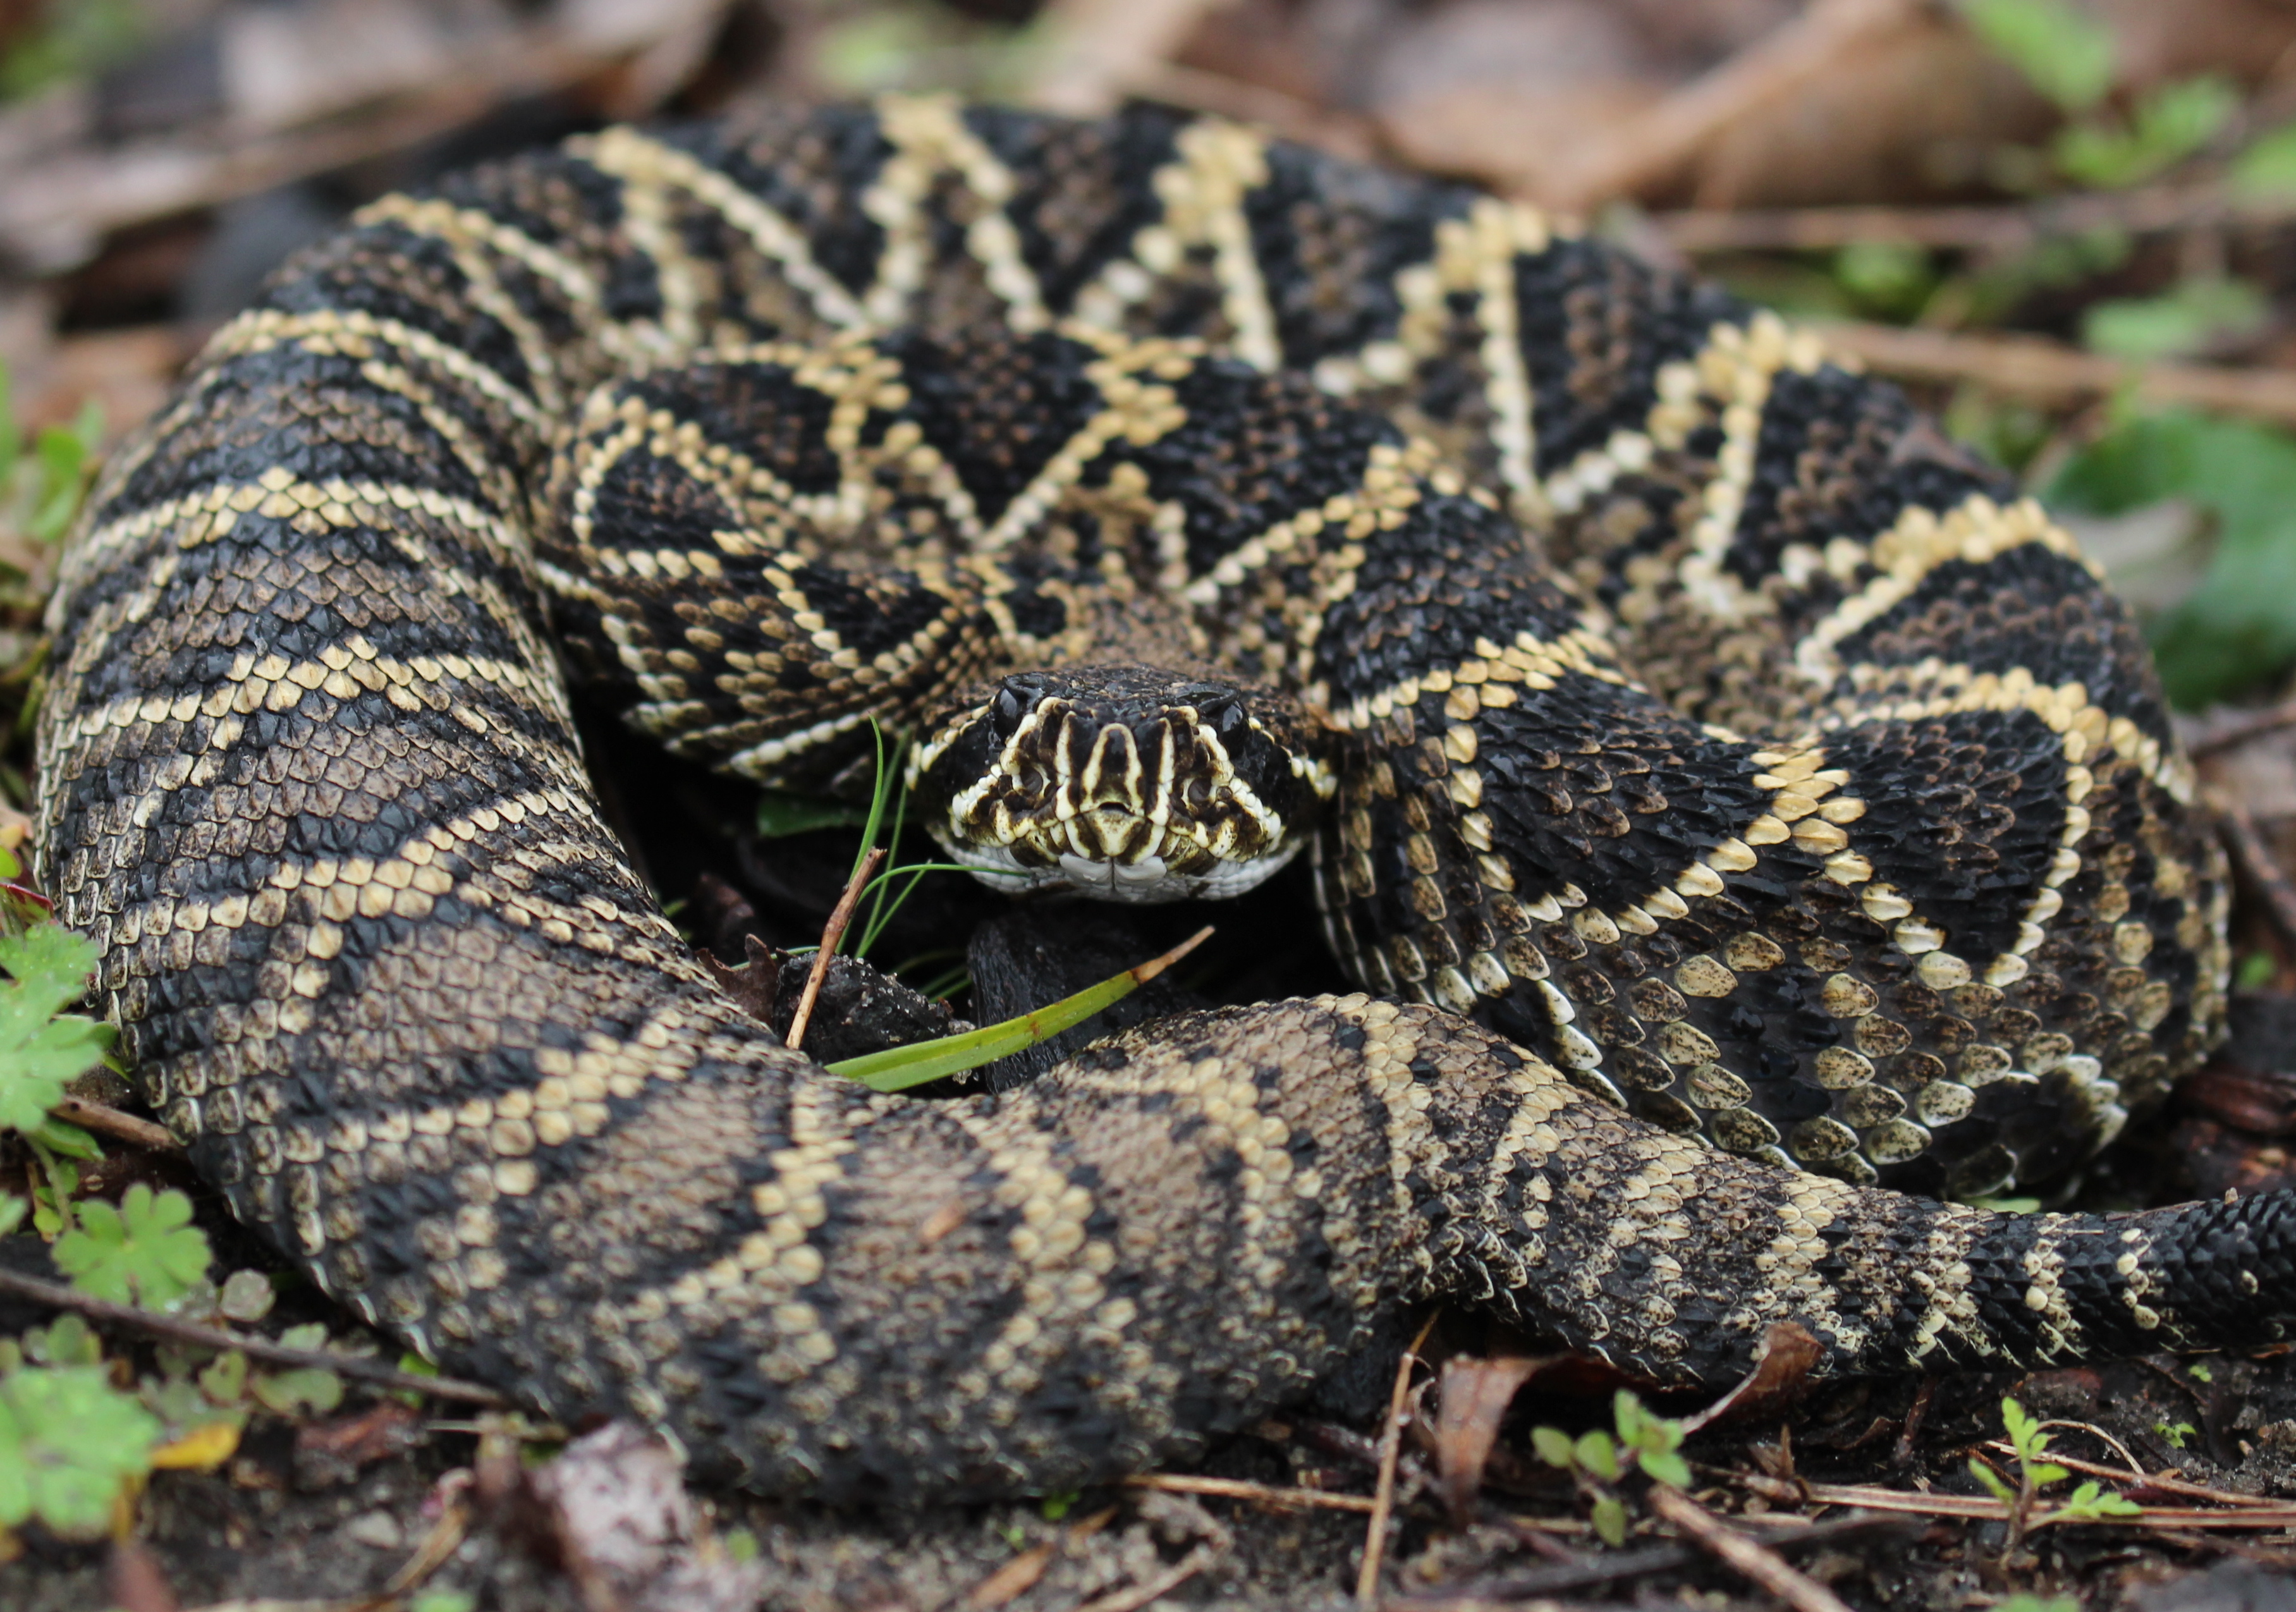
x=1713 y=825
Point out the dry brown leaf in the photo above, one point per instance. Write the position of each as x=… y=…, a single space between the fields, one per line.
x=1781 y=1368
x=332 y=1451
x=1475 y=1397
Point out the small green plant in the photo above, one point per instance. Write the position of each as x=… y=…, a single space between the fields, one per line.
x=2169 y=124
x=2238 y=627
x=69 y=1444
x=41 y=1046
x=74 y=38
x=1598 y=1461
x=2090 y=1502
x=2175 y=1433
x=780 y=815
x=2268 y=167
x=146 y=1251
x=2064 y=54
x=2191 y=318
x=2070 y=57
x=2025 y=1600
x=2199 y=1371
x=40 y=491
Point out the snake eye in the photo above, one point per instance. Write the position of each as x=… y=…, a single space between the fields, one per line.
x=1231 y=719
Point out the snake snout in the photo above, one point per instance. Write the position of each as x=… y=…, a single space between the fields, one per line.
x=1121 y=780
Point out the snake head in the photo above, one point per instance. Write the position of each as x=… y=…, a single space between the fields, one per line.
x=1122 y=783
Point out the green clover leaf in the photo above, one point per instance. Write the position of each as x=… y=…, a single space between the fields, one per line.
x=145 y=1251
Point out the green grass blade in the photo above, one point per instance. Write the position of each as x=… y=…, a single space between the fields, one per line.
x=877 y=803
x=897 y=1069
x=878 y=916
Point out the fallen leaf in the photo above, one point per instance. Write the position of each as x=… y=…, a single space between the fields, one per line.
x=753 y=983
x=334 y=1452
x=1782 y=1366
x=204 y=1449
x=1475 y=1397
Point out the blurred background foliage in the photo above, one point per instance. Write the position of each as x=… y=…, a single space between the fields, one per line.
x=2065 y=223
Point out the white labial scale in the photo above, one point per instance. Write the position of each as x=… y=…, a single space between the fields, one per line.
x=1146 y=882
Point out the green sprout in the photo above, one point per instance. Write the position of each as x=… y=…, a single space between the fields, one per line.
x=1597 y=1462
x=2089 y=1503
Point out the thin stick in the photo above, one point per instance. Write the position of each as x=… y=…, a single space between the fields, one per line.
x=1757 y=1563
x=2152 y=210
x=1390 y=1450
x=2255 y=859
x=1611 y=1567
x=1984 y=1508
x=840 y=918
x=1903 y=1454
x=2107 y=1440
x=2050 y=372
x=445 y=1538
x=254 y=1348
x=1236 y=1488
x=111 y=1122
x=2163 y=1483
x=1655 y=144
x=2241 y=729
x=1139 y=1595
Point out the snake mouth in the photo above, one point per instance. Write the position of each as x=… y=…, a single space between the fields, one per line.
x=1143 y=880
x=1120 y=784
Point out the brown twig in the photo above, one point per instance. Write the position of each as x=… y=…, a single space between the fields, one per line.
x=2050 y=372
x=1902 y=1455
x=2162 y=1483
x=56 y=213
x=2252 y=855
x=1665 y=139
x=1755 y=1561
x=445 y=1538
x=1017 y=1576
x=2242 y=728
x=2152 y=210
x=1390 y=1450
x=1236 y=1488
x=1617 y=1567
x=1140 y=1594
x=833 y=933
x=255 y=1348
x=111 y=1122
x=2278 y=1514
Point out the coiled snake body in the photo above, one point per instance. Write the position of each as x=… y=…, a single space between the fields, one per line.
x=1805 y=794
